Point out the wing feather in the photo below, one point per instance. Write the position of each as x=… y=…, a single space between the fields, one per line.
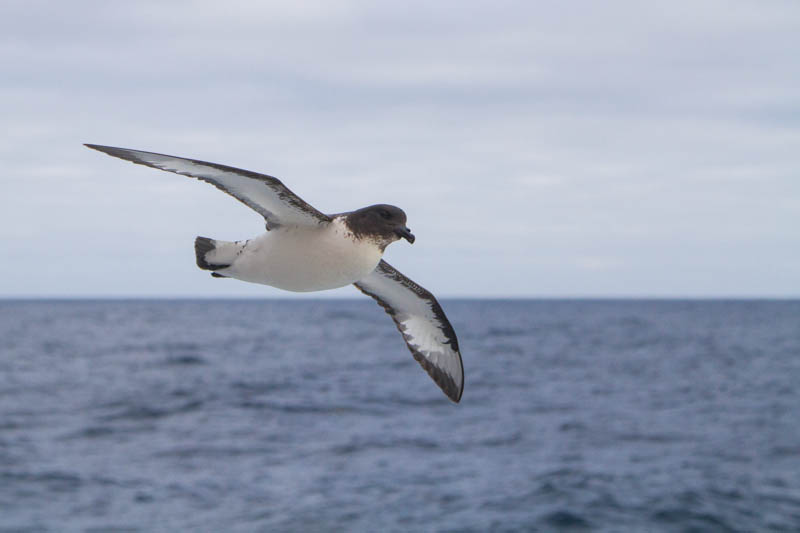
x=422 y=323
x=264 y=194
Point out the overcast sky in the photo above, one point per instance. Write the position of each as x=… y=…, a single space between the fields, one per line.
x=539 y=148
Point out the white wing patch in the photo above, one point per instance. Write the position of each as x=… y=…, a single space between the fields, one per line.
x=264 y=194
x=423 y=324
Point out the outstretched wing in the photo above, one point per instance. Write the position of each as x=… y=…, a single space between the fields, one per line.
x=264 y=194
x=423 y=324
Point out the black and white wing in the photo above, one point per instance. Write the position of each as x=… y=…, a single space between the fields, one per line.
x=266 y=195
x=423 y=324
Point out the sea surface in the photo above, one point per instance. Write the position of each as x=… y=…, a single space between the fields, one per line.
x=313 y=416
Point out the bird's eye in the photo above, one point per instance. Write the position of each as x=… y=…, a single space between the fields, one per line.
x=385 y=214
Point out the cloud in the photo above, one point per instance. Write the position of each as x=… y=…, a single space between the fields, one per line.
x=653 y=140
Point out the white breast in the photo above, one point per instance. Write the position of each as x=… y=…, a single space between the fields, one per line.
x=306 y=259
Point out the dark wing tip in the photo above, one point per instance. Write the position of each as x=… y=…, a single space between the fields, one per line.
x=442 y=379
x=121 y=153
x=457 y=398
x=99 y=147
x=455 y=395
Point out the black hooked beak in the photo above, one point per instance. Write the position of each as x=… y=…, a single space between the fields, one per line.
x=406 y=234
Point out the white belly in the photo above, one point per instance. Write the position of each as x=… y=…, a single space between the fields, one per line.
x=303 y=259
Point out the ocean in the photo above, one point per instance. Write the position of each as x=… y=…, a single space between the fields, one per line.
x=311 y=415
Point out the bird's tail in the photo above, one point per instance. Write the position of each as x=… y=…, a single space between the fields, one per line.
x=215 y=255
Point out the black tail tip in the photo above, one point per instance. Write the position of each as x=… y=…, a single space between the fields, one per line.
x=203 y=245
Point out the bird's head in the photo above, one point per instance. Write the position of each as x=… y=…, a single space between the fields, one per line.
x=386 y=223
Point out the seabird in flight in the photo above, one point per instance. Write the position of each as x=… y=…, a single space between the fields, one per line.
x=305 y=250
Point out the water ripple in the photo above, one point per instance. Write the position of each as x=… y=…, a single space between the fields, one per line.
x=312 y=416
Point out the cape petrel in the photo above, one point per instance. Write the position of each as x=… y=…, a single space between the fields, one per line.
x=305 y=250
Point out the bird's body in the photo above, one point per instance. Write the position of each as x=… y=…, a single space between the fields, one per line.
x=299 y=259
x=306 y=250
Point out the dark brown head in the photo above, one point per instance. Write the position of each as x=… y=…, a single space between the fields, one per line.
x=386 y=223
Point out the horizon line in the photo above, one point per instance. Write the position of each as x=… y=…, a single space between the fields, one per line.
x=764 y=297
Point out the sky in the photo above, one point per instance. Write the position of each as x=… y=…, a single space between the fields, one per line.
x=540 y=149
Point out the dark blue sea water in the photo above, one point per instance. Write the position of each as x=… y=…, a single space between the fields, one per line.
x=313 y=416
